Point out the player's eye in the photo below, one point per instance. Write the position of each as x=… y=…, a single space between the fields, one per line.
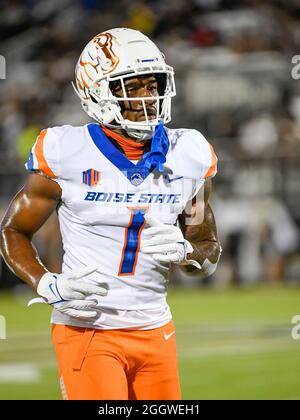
x=131 y=90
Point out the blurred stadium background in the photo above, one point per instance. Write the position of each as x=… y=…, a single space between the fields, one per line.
x=233 y=62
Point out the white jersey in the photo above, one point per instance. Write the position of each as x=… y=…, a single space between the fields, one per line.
x=101 y=215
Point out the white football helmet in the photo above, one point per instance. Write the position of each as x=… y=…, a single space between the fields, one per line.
x=116 y=55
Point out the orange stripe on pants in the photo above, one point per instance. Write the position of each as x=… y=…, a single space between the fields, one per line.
x=117 y=364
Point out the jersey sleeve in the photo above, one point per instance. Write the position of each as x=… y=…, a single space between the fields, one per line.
x=202 y=159
x=213 y=164
x=44 y=155
x=205 y=155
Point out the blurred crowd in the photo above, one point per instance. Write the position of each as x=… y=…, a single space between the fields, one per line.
x=233 y=63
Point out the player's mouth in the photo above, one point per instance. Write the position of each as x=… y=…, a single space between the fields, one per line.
x=151 y=114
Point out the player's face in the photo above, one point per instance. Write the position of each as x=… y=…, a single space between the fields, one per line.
x=143 y=86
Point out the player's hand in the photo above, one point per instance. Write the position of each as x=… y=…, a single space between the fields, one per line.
x=166 y=243
x=80 y=309
x=70 y=293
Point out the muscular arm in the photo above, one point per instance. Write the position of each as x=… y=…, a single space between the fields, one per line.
x=27 y=212
x=199 y=228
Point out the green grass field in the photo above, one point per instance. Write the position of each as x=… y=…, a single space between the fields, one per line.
x=233 y=344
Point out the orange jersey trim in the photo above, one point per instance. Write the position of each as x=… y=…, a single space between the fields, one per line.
x=213 y=167
x=39 y=152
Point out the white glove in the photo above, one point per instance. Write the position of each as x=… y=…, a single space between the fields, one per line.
x=166 y=243
x=69 y=294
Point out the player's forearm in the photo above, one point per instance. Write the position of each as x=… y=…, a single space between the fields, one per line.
x=205 y=243
x=21 y=256
x=205 y=252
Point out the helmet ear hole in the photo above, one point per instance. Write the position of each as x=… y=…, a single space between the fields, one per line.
x=85 y=106
x=93 y=99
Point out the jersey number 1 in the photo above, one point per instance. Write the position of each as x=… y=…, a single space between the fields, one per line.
x=131 y=245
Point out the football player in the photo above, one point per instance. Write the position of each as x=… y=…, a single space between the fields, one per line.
x=132 y=197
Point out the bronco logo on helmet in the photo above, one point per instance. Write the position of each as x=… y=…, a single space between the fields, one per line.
x=104 y=42
x=103 y=57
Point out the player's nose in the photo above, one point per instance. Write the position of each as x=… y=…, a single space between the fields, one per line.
x=147 y=93
x=150 y=103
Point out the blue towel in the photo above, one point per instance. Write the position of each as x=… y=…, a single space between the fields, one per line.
x=156 y=157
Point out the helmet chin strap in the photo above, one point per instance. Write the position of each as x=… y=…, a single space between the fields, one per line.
x=140 y=135
x=134 y=131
